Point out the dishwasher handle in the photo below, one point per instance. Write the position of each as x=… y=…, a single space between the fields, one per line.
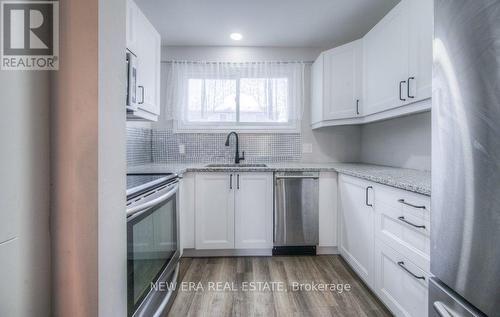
x=297 y=177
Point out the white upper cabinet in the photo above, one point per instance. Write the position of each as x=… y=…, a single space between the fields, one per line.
x=386 y=61
x=342 y=81
x=336 y=83
x=132 y=16
x=398 y=57
x=317 y=90
x=145 y=43
x=421 y=19
x=254 y=211
x=389 y=76
x=148 y=74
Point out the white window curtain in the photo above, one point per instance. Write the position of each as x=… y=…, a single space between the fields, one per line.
x=221 y=96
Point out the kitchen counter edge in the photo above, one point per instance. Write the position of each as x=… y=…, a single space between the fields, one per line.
x=407 y=179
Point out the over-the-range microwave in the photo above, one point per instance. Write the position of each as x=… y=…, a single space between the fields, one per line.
x=132 y=83
x=136 y=108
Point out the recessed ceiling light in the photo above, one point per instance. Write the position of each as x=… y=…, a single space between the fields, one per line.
x=236 y=36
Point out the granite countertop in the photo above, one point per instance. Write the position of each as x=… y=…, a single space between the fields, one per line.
x=407 y=179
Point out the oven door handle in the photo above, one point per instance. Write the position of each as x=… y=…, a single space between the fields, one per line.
x=137 y=210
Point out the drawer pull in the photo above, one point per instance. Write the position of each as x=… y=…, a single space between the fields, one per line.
x=402 y=218
x=411 y=205
x=402 y=265
x=366 y=197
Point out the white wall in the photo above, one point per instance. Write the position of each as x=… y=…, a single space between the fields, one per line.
x=24 y=193
x=332 y=144
x=401 y=142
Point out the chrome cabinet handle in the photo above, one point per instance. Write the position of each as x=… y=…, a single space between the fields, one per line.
x=142 y=95
x=402 y=201
x=402 y=218
x=231 y=181
x=357 y=106
x=408 y=88
x=402 y=264
x=400 y=86
x=238 y=181
x=366 y=196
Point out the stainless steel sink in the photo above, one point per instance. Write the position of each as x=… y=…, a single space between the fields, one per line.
x=236 y=165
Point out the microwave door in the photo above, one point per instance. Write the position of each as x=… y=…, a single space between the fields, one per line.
x=131 y=82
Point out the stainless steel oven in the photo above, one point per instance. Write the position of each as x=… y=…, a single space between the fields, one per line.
x=152 y=247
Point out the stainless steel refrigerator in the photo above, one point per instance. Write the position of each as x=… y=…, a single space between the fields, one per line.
x=465 y=238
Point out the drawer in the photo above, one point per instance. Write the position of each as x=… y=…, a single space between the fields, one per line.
x=405 y=232
x=417 y=205
x=399 y=283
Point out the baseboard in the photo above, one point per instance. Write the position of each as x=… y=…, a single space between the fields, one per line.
x=327 y=250
x=193 y=253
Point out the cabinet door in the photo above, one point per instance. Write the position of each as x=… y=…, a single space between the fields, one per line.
x=254 y=210
x=214 y=218
x=342 y=81
x=317 y=90
x=356 y=229
x=132 y=14
x=421 y=21
x=187 y=210
x=148 y=73
x=385 y=53
x=400 y=284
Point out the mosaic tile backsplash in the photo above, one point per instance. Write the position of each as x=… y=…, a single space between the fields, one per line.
x=166 y=147
x=139 y=150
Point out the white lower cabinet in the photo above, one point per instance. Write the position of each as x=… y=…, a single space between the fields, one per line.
x=402 y=222
x=214 y=218
x=384 y=237
x=254 y=211
x=233 y=210
x=399 y=283
x=356 y=226
x=187 y=210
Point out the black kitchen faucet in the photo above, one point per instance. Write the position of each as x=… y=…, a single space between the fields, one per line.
x=237 y=157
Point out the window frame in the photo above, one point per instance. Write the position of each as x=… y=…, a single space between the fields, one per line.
x=181 y=125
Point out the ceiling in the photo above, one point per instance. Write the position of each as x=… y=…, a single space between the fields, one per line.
x=274 y=23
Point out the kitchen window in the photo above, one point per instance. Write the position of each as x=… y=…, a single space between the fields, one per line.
x=218 y=97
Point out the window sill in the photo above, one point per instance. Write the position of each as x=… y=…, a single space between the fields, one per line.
x=239 y=129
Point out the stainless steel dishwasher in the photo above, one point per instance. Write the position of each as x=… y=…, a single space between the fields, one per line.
x=295 y=213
